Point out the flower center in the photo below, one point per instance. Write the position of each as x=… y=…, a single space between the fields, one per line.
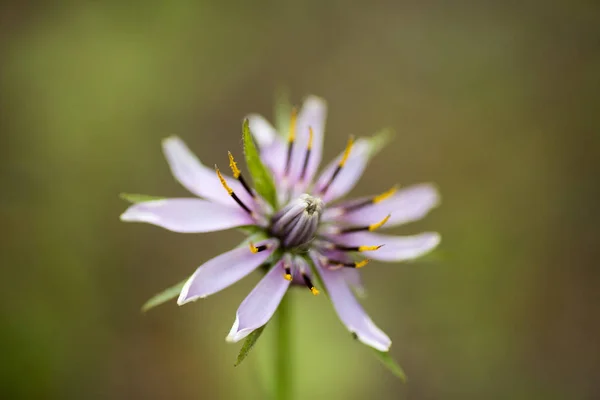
x=296 y=224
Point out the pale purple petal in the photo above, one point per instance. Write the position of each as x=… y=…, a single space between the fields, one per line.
x=395 y=248
x=409 y=204
x=300 y=267
x=260 y=305
x=312 y=115
x=274 y=156
x=352 y=275
x=348 y=176
x=223 y=271
x=298 y=153
x=350 y=311
x=198 y=178
x=354 y=280
x=264 y=133
x=187 y=215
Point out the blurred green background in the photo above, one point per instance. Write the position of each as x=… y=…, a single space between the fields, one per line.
x=495 y=102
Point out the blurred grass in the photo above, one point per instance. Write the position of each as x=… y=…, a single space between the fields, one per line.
x=496 y=103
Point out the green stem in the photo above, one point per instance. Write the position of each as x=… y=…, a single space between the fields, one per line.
x=284 y=352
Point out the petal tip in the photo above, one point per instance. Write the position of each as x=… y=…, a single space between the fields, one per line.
x=181 y=300
x=430 y=241
x=252 y=115
x=170 y=139
x=382 y=343
x=380 y=346
x=235 y=335
x=435 y=194
x=315 y=100
x=183 y=295
x=184 y=298
x=139 y=216
x=435 y=239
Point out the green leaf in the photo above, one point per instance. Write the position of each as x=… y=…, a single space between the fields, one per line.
x=164 y=296
x=387 y=360
x=263 y=182
x=138 y=198
x=249 y=344
x=379 y=141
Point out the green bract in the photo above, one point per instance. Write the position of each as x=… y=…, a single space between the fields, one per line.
x=164 y=296
x=263 y=181
x=139 y=198
x=249 y=344
x=387 y=360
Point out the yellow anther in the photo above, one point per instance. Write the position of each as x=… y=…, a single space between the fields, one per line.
x=347 y=151
x=368 y=248
x=362 y=263
x=292 y=135
x=385 y=195
x=310 y=138
x=288 y=277
x=379 y=224
x=223 y=182
x=253 y=248
x=234 y=168
x=314 y=290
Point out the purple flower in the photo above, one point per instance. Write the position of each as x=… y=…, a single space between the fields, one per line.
x=306 y=224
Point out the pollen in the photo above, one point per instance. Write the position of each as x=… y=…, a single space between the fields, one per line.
x=310 y=138
x=253 y=248
x=347 y=151
x=287 y=277
x=233 y=165
x=223 y=182
x=362 y=263
x=379 y=224
x=314 y=290
x=381 y=197
x=369 y=248
x=292 y=134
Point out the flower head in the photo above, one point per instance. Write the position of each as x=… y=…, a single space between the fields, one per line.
x=304 y=224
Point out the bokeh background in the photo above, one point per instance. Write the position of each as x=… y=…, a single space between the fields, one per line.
x=496 y=102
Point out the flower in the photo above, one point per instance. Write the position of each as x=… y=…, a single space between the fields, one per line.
x=306 y=224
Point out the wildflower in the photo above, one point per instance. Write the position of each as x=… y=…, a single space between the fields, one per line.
x=304 y=225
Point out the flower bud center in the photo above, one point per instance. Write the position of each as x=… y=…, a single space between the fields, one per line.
x=296 y=224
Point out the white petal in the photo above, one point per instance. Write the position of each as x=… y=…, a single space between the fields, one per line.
x=260 y=305
x=187 y=215
x=199 y=179
x=223 y=271
x=264 y=133
x=409 y=204
x=350 y=311
x=313 y=115
x=395 y=248
x=348 y=176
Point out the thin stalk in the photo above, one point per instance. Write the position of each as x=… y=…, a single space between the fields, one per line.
x=283 y=353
